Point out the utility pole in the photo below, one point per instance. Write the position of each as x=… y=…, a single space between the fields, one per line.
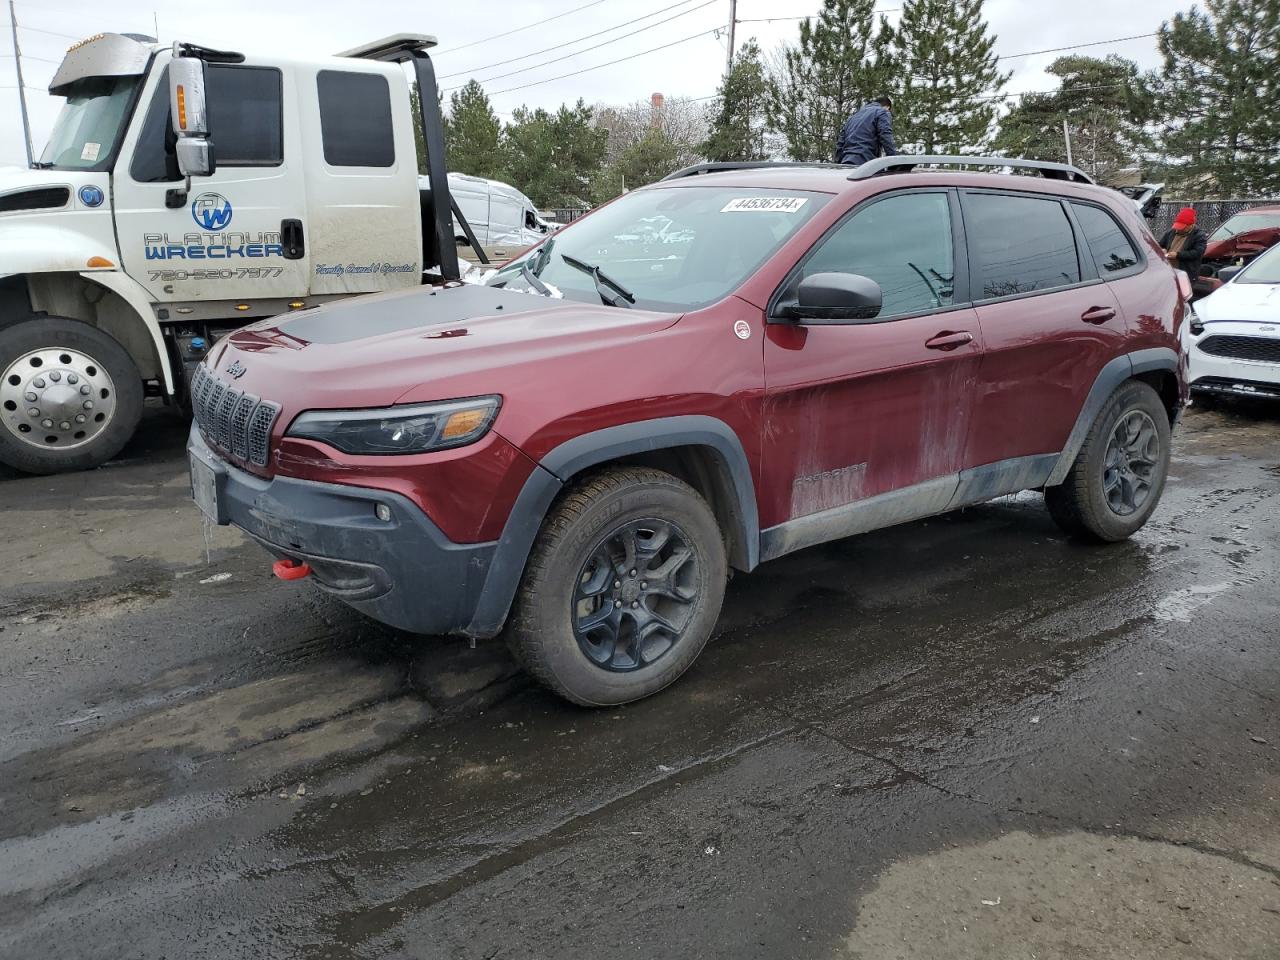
x=1066 y=135
x=22 y=90
x=733 y=23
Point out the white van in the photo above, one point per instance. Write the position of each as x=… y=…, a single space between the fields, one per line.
x=504 y=220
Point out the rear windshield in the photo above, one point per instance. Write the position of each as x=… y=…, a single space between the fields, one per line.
x=672 y=248
x=1243 y=223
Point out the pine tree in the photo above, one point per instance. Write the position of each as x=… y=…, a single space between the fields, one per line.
x=738 y=124
x=838 y=65
x=1101 y=102
x=1218 y=93
x=647 y=160
x=943 y=52
x=471 y=133
x=553 y=157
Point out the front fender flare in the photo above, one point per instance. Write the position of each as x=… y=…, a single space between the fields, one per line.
x=569 y=459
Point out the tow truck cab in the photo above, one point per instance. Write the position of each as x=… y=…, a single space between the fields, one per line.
x=185 y=192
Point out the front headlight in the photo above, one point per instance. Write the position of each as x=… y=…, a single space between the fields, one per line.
x=417 y=428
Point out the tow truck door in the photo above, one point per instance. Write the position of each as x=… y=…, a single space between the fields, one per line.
x=361 y=178
x=223 y=242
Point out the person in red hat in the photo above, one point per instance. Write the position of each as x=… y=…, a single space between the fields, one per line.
x=1184 y=243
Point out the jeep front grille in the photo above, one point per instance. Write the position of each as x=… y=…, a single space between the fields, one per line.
x=1263 y=349
x=239 y=423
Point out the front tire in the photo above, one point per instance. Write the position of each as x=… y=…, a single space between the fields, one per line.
x=70 y=396
x=1119 y=473
x=622 y=589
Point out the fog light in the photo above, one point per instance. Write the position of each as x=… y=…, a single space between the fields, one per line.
x=383 y=512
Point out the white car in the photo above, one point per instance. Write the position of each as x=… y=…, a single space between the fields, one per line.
x=1235 y=334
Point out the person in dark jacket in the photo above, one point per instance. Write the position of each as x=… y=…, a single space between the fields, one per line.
x=1184 y=243
x=867 y=134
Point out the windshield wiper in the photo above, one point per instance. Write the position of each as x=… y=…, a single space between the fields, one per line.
x=624 y=296
x=531 y=278
x=41 y=165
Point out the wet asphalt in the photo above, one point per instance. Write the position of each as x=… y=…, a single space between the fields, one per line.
x=966 y=737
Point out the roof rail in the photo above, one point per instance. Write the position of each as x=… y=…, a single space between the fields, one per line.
x=720 y=166
x=905 y=162
x=393 y=49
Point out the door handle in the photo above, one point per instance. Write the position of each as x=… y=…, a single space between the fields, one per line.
x=1098 y=315
x=949 y=340
x=291 y=239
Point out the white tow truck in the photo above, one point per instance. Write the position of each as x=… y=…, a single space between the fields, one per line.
x=185 y=192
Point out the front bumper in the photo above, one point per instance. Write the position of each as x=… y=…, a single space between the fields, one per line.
x=403 y=572
x=1226 y=375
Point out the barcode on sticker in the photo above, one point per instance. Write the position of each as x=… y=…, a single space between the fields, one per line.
x=768 y=204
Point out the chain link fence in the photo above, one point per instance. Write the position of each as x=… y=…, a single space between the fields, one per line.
x=1210 y=214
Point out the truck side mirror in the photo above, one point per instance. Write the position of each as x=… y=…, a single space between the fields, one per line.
x=189 y=115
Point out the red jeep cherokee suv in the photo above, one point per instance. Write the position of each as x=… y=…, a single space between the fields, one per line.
x=706 y=373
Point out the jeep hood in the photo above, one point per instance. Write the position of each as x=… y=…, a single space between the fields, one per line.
x=419 y=344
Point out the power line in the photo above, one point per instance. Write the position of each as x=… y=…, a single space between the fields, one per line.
x=589 y=36
x=28 y=56
x=52 y=33
x=1077 y=46
x=508 y=33
x=610 y=63
x=569 y=56
x=808 y=16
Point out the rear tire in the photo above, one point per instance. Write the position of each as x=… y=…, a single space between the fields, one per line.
x=622 y=589
x=1119 y=473
x=54 y=367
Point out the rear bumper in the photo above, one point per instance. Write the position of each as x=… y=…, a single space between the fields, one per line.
x=403 y=572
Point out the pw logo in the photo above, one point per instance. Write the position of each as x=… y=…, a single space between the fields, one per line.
x=211 y=211
x=236 y=370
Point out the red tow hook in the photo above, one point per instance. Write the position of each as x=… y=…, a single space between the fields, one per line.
x=287 y=569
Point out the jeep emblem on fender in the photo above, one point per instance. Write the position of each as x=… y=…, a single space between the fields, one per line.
x=211 y=211
x=236 y=369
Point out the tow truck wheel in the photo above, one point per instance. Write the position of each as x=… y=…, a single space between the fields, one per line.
x=622 y=590
x=70 y=396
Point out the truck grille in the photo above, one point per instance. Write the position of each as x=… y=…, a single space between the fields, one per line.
x=1263 y=349
x=239 y=423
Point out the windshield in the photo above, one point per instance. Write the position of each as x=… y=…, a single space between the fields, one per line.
x=89 y=125
x=1265 y=269
x=672 y=248
x=1243 y=223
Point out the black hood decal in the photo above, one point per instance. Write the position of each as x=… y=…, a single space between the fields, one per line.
x=373 y=316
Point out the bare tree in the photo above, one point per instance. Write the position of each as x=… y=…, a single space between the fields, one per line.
x=681 y=121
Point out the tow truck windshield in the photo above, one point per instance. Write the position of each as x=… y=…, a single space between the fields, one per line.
x=89 y=126
x=665 y=248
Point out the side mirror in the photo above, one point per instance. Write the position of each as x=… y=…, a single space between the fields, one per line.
x=189 y=115
x=1227 y=274
x=837 y=298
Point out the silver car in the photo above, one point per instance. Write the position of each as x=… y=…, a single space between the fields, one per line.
x=1235 y=334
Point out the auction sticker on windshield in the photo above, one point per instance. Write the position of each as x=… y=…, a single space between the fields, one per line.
x=767 y=204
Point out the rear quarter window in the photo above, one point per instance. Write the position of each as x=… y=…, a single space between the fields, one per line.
x=355 y=119
x=1112 y=250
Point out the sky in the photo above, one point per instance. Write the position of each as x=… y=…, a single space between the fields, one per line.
x=469 y=46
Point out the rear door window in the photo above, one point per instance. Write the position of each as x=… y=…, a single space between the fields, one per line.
x=355 y=119
x=1111 y=247
x=904 y=244
x=1018 y=245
